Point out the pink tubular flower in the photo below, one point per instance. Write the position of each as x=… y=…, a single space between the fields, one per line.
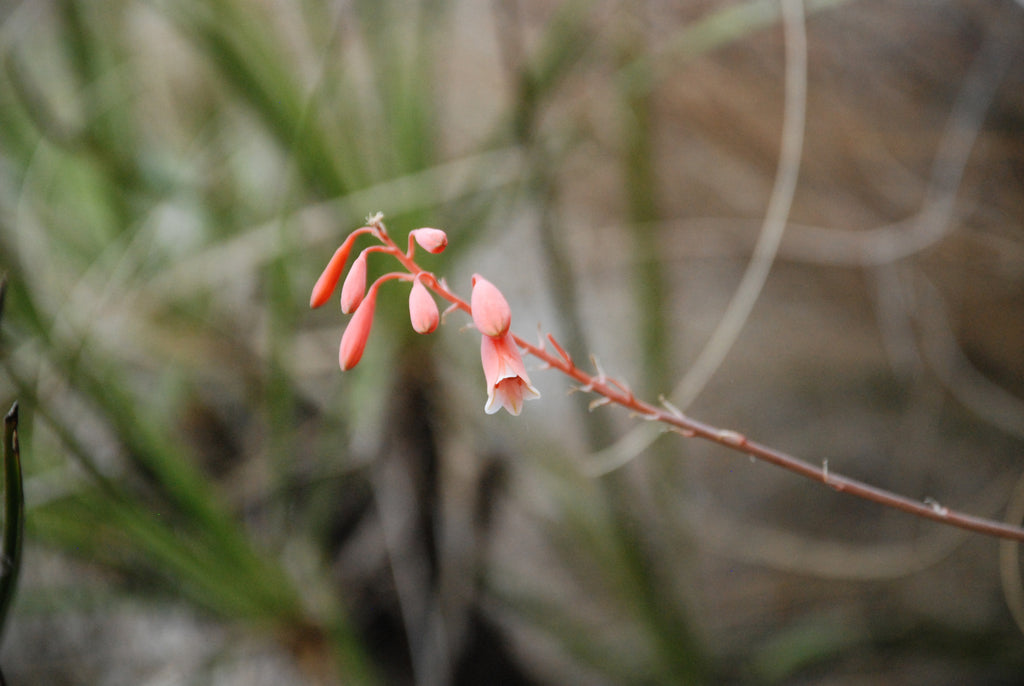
x=422 y=309
x=353 y=341
x=355 y=285
x=431 y=240
x=329 y=278
x=491 y=313
x=507 y=383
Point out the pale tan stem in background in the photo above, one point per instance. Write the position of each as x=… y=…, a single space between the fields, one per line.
x=751 y=284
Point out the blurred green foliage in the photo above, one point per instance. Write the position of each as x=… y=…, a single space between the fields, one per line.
x=176 y=172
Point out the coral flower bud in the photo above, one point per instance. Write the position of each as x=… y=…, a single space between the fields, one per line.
x=491 y=313
x=329 y=278
x=431 y=240
x=353 y=341
x=422 y=309
x=355 y=285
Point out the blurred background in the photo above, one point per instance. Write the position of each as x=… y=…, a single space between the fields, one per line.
x=802 y=225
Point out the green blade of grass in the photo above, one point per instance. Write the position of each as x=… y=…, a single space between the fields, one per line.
x=3 y=294
x=14 y=513
x=250 y=60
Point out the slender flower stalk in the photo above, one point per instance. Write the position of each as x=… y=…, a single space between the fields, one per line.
x=508 y=385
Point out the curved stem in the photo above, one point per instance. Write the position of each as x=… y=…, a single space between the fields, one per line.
x=733 y=440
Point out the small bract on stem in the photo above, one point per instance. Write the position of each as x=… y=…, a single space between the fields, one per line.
x=508 y=384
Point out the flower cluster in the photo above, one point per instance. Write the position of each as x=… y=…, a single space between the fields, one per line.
x=508 y=384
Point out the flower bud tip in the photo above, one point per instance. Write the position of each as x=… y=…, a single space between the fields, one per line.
x=491 y=313
x=431 y=240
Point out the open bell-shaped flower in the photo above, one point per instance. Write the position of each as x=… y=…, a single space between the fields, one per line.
x=508 y=385
x=423 y=312
x=491 y=313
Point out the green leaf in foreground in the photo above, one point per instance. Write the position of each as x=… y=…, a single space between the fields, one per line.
x=14 y=514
